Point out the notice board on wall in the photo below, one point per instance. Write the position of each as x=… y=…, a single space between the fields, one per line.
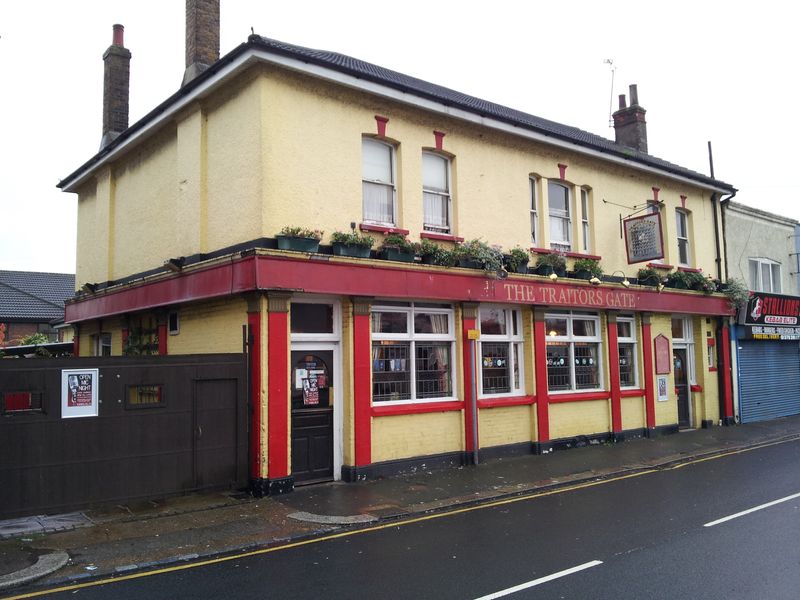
x=663 y=357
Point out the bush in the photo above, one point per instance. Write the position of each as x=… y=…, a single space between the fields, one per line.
x=648 y=276
x=737 y=292
x=556 y=260
x=490 y=257
x=352 y=238
x=301 y=232
x=398 y=242
x=589 y=265
x=517 y=257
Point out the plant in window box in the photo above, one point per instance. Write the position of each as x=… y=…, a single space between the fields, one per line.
x=587 y=268
x=351 y=244
x=299 y=239
x=648 y=276
x=700 y=283
x=517 y=260
x=737 y=292
x=551 y=262
x=397 y=247
x=477 y=254
x=680 y=280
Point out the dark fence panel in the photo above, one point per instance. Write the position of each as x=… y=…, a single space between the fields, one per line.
x=166 y=425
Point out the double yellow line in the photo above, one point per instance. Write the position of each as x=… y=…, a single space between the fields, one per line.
x=344 y=534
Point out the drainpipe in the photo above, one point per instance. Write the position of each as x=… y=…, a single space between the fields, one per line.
x=724 y=321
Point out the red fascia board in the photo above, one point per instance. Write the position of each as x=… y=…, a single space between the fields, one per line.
x=580 y=397
x=510 y=401
x=419 y=408
x=373 y=278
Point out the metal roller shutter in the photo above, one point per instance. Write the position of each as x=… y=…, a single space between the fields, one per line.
x=769 y=380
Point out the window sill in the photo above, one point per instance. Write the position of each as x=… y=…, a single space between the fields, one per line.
x=583 y=255
x=654 y=265
x=442 y=237
x=556 y=397
x=498 y=402
x=382 y=228
x=416 y=408
x=690 y=270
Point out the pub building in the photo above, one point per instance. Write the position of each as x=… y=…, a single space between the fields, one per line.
x=363 y=366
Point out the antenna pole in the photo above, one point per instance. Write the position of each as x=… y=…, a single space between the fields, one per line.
x=610 y=63
x=710 y=160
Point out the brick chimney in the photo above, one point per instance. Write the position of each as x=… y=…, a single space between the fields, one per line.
x=630 y=128
x=202 y=37
x=116 y=84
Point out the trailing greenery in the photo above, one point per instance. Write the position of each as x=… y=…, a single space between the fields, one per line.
x=489 y=257
x=33 y=339
x=517 y=257
x=301 y=232
x=557 y=260
x=398 y=242
x=589 y=265
x=648 y=276
x=352 y=238
x=737 y=292
x=432 y=253
x=680 y=279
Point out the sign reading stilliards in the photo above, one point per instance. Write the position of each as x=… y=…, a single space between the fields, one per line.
x=772 y=317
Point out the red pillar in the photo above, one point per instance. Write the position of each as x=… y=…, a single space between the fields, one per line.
x=254 y=339
x=362 y=385
x=76 y=340
x=278 y=387
x=540 y=369
x=649 y=390
x=162 y=336
x=469 y=320
x=727 y=388
x=613 y=369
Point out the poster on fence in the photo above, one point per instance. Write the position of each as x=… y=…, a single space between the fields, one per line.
x=79 y=393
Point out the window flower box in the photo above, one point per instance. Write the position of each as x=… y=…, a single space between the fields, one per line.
x=297 y=244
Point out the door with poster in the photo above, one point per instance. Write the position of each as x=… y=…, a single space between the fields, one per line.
x=312 y=415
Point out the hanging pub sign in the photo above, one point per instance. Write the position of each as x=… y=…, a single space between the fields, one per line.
x=79 y=393
x=771 y=317
x=643 y=239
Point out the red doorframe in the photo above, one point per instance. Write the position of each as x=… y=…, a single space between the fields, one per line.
x=540 y=368
x=649 y=390
x=613 y=368
x=362 y=387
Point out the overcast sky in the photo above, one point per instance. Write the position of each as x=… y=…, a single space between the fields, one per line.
x=719 y=71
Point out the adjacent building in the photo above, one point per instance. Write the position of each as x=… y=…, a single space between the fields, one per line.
x=761 y=251
x=366 y=366
x=32 y=302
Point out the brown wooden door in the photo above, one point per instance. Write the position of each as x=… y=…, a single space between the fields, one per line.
x=215 y=433
x=682 y=386
x=312 y=415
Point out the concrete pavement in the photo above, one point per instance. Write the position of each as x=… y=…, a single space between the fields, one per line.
x=123 y=539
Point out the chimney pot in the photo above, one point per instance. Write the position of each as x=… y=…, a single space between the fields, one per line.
x=622 y=101
x=119 y=32
x=634 y=93
x=630 y=127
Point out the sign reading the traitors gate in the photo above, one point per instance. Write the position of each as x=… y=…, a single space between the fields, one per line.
x=564 y=296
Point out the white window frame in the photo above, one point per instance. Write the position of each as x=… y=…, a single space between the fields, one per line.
x=686 y=342
x=516 y=351
x=100 y=341
x=630 y=341
x=560 y=245
x=534 y=212
x=585 y=229
x=170 y=329
x=445 y=197
x=412 y=338
x=392 y=185
x=571 y=340
x=682 y=219
x=771 y=266
x=333 y=336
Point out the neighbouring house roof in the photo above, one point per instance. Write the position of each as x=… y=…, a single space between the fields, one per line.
x=32 y=296
x=322 y=63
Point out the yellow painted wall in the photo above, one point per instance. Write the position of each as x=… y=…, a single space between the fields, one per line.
x=405 y=436
x=568 y=419
x=666 y=412
x=210 y=327
x=348 y=433
x=505 y=425
x=88 y=330
x=633 y=413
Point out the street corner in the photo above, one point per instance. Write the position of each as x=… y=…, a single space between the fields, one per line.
x=20 y=564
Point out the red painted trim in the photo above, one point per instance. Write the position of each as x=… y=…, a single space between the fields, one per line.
x=540 y=369
x=381 y=122
x=581 y=255
x=562 y=171
x=376 y=278
x=382 y=229
x=414 y=409
x=711 y=342
x=162 y=338
x=655 y=193
x=696 y=388
x=683 y=201
x=466 y=325
x=580 y=396
x=542 y=250
x=510 y=401
x=125 y=335
x=443 y=237
x=632 y=393
x=613 y=363
x=712 y=369
x=727 y=390
x=649 y=388
x=690 y=270
x=654 y=265
x=362 y=389
x=439 y=137
x=278 y=394
x=76 y=340
x=254 y=330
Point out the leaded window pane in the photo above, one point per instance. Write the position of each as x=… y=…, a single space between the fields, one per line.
x=558 y=368
x=496 y=372
x=391 y=371
x=587 y=374
x=433 y=370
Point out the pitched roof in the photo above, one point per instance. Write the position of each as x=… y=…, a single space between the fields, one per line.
x=413 y=86
x=32 y=296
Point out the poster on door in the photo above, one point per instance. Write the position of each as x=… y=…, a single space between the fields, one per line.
x=79 y=393
x=311 y=391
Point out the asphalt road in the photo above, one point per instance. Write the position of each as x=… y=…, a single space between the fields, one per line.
x=637 y=537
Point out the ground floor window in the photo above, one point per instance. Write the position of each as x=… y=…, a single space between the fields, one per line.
x=412 y=350
x=573 y=351
x=626 y=340
x=500 y=351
